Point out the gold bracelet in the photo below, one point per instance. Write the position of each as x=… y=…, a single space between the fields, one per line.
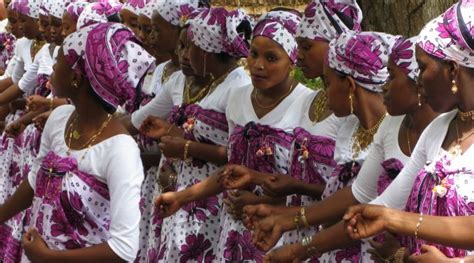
x=186 y=150
x=51 y=104
x=420 y=220
x=296 y=221
x=303 y=217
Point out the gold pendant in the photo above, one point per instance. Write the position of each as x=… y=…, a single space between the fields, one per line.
x=456 y=150
x=76 y=135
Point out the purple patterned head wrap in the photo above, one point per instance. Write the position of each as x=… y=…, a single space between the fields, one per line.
x=97 y=13
x=280 y=26
x=29 y=8
x=451 y=35
x=45 y=7
x=111 y=57
x=214 y=30
x=58 y=7
x=150 y=7
x=75 y=9
x=173 y=10
x=326 y=19
x=403 y=55
x=363 y=56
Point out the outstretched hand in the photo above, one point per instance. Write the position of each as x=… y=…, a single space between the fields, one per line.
x=363 y=221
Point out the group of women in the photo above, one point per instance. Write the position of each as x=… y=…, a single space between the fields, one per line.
x=174 y=131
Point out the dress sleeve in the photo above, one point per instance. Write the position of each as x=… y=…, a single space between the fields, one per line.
x=124 y=175
x=19 y=69
x=160 y=106
x=28 y=81
x=364 y=187
x=396 y=194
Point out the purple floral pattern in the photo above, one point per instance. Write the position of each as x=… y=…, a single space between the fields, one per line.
x=197 y=248
x=403 y=55
x=392 y=168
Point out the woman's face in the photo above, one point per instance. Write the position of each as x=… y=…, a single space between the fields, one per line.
x=144 y=26
x=131 y=20
x=338 y=90
x=29 y=27
x=311 y=54
x=198 y=60
x=400 y=93
x=69 y=25
x=44 y=28
x=268 y=63
x=183 y=49
x=56 y=27
x=62 y=77
x=435 y=82
x=14 y=24
x=164 y=36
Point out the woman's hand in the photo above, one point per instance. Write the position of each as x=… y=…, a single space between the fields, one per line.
x=290 y=253
x=17 y=104
x=430 y=254
x=280 y=185
x=363 y=221
x=155 y=127
x=236 y=200
x=172 y=147
x=168 y=203
x=41 y=119
x=35 y=248
x=37 y=102
x=385 y=250
x=237 y=177
x=15 y=128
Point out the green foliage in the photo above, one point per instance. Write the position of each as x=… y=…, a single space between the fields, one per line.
x=310 y=83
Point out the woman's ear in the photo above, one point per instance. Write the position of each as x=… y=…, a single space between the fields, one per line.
x=77 y=79
x=352 y=84
x=453 y=70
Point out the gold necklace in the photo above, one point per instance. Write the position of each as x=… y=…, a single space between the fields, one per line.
x=466 y=116
x=364 y=137
x=320 y=105
x=35 y=48
x=167 y=72
x=456 y=150
x=255 y=93
x=187 y=92
x=408 y=141
x=93 y=138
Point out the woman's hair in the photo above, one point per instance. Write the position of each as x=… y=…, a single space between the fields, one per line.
x=204 y=4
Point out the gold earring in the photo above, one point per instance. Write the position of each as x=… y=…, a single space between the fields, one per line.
x=75 y=85
x=419 y=99
x=454 y=88
x=351 y=101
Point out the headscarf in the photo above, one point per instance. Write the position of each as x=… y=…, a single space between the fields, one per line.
x=363 y=56
x=109 y=55
x=29 y=8
x=75 y=9
x=45 y=7
x=280 y=26
x=150 y=7
x=451 y=35
x=97 y=13
x=403 y=55
x=173 y=10
x=59 y=7
x=214 y=30
x=326 y=19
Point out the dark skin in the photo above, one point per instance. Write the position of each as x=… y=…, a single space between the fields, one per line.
x=14 y=25
x=144 y=28
x=68 y=25
x=30 y=27
x=130 y=19
x=44 y=28
x=56 y=30
x=90 y=116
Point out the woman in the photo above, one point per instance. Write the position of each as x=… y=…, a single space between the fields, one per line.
x=254 y=114
x=78 y=211
x=442 y=157
x=129 y=14
x=196 y=227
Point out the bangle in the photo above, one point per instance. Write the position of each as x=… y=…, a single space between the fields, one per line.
x=296 y=221
x=186 y=149
x=306 y=241
x=420 y=220
x=310 y=250
x=51 y=104
x=303 y=217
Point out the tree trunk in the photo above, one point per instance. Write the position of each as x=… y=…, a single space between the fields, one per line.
x=404 y=17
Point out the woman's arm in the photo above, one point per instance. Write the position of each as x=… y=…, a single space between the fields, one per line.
x=10 y=94
x=19 y=201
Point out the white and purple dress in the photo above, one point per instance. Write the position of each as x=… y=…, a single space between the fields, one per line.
x=78 y=200
x=194 y=231
x=261 y=144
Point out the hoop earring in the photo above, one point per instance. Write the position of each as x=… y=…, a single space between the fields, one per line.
x=351 y=102
x=454 y=87
x=419 y=99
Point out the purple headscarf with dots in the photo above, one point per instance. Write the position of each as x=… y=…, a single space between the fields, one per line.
x=403 y=55
x=111 y=57
x=451 y=35
x=173 y=10
x=363 y=56
x=280 y=26
x=98 y=13
x=75 y=9
x=59 y=7
x=214 y=30
x=322 y=19
x=28 y=8
x=45 y=7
